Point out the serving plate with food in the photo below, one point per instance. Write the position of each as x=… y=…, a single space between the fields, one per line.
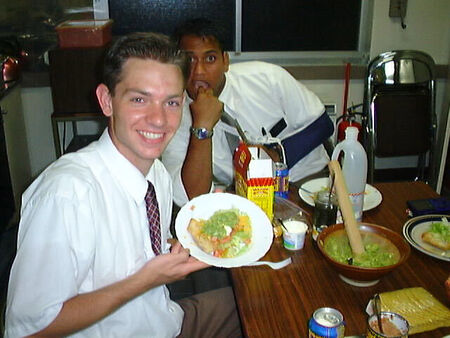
x=309 y=189
x=224 y=230
x=429 y=234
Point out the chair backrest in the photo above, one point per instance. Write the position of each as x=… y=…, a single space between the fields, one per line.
x=399 y=106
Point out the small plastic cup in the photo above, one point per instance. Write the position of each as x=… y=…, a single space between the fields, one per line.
x=294 y=233
x=394 y=325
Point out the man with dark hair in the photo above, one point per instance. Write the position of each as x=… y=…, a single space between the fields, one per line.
x=264 y=99
x=93 y=255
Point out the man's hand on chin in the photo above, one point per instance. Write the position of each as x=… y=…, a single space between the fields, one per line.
x=206 y=109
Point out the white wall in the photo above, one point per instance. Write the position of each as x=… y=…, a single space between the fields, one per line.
x=427 y=29
x=38 y=107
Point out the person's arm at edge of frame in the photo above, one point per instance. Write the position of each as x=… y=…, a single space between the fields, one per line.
x=197 y=171
x=84 y=310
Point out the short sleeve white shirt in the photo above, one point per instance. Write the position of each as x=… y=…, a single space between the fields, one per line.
x=84 y=226
x=258 y=95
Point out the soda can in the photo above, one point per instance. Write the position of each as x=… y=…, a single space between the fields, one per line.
x=281 y=186
x=326 y=322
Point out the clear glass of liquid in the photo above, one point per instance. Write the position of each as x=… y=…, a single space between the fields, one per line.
x=325 y=211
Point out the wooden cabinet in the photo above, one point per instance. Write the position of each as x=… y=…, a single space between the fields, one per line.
x=74 y=76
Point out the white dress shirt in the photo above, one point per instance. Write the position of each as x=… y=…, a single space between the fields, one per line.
x=258 y=95
x=84 y=226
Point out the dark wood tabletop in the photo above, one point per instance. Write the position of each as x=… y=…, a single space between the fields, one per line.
x=278 y=303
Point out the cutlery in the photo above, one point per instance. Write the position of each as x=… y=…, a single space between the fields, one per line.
x=234 y=122
x=273 y=265
x=377 y=308
x=307 y=191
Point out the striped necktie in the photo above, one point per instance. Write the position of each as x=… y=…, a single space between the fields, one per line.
x=153 y=218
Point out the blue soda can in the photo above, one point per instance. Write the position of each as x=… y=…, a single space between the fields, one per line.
x=281 y=186
x=326 y=322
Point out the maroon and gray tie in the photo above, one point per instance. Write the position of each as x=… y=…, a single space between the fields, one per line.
x=153 y=218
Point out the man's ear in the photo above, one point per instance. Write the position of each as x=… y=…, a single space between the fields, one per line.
x=226 y=61
x=104 y=99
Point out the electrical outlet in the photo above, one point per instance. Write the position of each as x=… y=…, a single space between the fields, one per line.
x=397 y=8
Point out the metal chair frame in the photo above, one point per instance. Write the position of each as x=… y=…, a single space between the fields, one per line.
x=388 y=70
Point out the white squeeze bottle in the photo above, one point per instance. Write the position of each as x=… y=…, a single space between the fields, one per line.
x=354 y=168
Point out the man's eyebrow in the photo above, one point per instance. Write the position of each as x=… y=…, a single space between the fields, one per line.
x=146 y=93
x=210 y=51
x=137 y=91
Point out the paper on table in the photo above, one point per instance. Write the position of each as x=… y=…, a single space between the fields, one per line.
x=419 y=307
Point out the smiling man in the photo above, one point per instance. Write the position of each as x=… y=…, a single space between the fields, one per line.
x=90 y=263
x=262 y=97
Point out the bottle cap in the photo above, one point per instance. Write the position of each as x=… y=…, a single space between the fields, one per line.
x=351 y=133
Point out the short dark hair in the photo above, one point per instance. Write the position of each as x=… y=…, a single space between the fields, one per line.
x=153 y=46
x=200 y=27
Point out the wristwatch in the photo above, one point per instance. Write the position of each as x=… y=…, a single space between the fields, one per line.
x=201 y=133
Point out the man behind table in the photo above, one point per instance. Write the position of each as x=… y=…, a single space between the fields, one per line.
x=263 y=97
x=85 y=264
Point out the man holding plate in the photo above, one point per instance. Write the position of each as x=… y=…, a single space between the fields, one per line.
x=90 y=261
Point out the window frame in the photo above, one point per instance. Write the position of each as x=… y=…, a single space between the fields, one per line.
x=361 y=56
x=292 y=58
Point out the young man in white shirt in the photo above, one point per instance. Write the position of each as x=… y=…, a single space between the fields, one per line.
x=85 y=265
x=263 y=97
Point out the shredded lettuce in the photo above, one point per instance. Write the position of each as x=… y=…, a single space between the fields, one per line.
x=442 y=229
x=230 y=232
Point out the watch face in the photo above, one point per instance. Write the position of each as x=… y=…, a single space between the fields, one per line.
x=201 y=133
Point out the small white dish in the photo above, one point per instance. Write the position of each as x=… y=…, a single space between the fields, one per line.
x=372 y=196
x=359 y=283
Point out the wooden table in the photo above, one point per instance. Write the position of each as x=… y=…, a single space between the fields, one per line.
x=278 y=303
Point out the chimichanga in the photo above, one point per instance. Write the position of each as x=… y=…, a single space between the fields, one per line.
x=436 y=240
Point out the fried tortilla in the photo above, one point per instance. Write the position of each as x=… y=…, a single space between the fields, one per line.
x=436 y=240
x=195 y=229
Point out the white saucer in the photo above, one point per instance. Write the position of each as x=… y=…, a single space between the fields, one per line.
x=359 y=283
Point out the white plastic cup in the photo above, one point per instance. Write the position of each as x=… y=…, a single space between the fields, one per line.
x=294 y=233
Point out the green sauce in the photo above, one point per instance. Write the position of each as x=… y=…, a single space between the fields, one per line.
x=378 y=250
x=215 y=225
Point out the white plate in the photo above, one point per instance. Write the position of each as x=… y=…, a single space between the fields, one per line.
x=372 y=197
x=204 y=207
x=415 y=227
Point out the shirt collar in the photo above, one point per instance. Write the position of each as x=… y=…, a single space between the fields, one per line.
x=229 y=99
x=128 y=176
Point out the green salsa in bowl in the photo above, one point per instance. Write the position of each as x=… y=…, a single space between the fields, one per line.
x=385 y=250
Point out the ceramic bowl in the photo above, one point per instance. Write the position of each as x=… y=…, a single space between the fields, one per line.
x=361 y=276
